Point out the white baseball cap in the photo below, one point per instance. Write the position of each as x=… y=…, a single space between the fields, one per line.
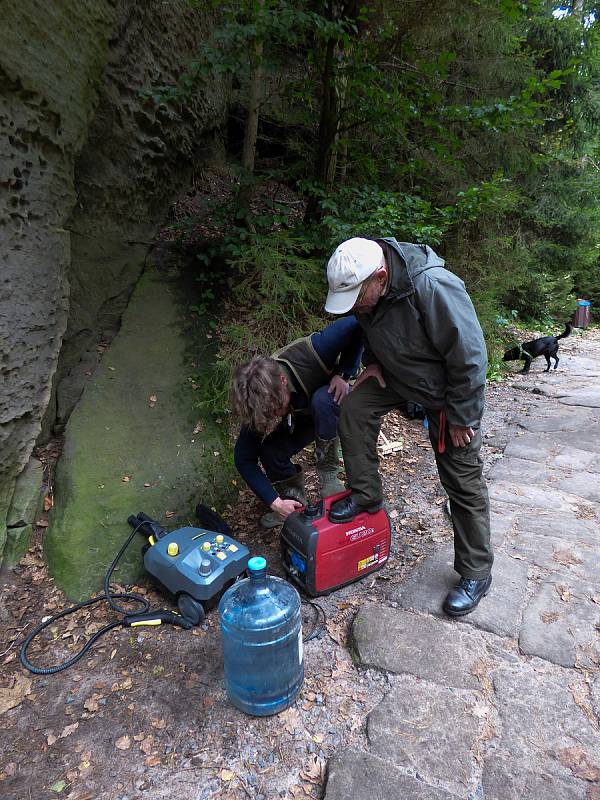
x=352 y=263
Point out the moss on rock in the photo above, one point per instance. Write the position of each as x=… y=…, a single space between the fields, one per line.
x=130 y=445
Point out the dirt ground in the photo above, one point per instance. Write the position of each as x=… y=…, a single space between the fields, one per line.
x=144 y=716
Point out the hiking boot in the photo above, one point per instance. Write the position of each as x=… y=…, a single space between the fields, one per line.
x=347 y=508
x=465 y=597
x=327 y=452
x=288 y=489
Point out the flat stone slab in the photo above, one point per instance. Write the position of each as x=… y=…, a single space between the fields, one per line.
x=532 y=496
x=567 y=527
x=588 y=399
x=354 y=775
x=577 y=560
x=430 y=730
x=502 y=520
x=395 y=641
x=545 y=449
x=504 y=780
x=552 y=418
x=581 y=483
x=543 y=733
x=430 y=581
x=560 y=623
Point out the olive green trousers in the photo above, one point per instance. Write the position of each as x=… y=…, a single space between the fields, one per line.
x=459 y=468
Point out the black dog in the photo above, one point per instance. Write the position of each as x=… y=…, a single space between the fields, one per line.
x=546 y=346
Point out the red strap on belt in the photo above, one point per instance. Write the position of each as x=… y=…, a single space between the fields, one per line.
x=442 y=433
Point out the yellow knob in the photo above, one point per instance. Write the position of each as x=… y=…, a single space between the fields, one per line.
x=206 y=546
x=219 y=539
x=173 y=549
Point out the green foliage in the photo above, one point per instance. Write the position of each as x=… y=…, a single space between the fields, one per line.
x=472 y=128
x=278 y=297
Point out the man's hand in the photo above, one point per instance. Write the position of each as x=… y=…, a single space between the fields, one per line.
x=339 y=388
x=285 y=507
x=459 y=435
x=372 y=371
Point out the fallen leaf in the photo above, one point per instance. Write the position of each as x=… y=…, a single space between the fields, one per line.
x=158 y=723
x=139 y=737
x=548 y=617
x=69 y=730
x=91 y=704
x=199 y=427
x=227 y=774
x=58 y=786
x=113 y=653
x=51 y=738
x=152 y=761
x=580 y=764
x=314 y=771
x=147 y=745
x=291 y=720
x=123 y=743
x=13 y=695
x=48 y=502
x=566 y=557
x=564 y=593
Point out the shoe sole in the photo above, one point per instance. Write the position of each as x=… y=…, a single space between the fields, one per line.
x=469 y=610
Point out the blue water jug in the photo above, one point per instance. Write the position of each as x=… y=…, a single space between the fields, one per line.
x=261 y=630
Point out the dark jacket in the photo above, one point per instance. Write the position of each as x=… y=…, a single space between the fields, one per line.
x=426 y=336
x=337 y=349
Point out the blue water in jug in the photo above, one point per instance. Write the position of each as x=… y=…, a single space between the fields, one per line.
x=261 y=630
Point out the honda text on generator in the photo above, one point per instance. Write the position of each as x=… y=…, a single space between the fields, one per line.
x=321 y=556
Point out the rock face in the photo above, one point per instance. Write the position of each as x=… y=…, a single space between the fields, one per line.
x=134 y=443
x=89 y=162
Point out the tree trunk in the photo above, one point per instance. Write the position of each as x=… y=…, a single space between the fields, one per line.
x=251 y=127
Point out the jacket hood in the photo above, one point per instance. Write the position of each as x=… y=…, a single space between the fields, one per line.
x=407 y=261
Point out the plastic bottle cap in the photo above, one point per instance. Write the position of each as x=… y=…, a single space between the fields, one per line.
x=173 y=549
x=206 y=546
x=257 y=563
x=219 y=539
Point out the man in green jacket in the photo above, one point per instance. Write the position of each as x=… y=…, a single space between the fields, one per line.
x=423 y=343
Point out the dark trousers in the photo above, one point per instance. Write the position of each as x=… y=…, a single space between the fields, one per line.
x=278 y=448
x=459 y=468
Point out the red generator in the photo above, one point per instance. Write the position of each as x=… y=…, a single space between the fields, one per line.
x=321 y=556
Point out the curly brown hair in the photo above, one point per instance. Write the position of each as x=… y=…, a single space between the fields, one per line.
x=258 y=395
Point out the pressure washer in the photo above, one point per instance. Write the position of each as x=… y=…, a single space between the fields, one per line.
x=194 y=566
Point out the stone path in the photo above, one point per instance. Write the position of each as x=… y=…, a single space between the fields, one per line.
x=503 y=704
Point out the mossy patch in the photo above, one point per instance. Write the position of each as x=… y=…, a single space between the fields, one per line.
x=130 y=444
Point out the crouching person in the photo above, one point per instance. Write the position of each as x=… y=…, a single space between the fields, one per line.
x=287 y=401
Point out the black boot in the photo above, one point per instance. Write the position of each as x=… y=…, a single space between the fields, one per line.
x=465 y=597
x=347 y=508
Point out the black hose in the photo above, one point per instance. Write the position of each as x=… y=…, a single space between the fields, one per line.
x=106 y=596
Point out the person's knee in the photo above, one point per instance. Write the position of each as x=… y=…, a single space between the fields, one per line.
x=323 y=404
